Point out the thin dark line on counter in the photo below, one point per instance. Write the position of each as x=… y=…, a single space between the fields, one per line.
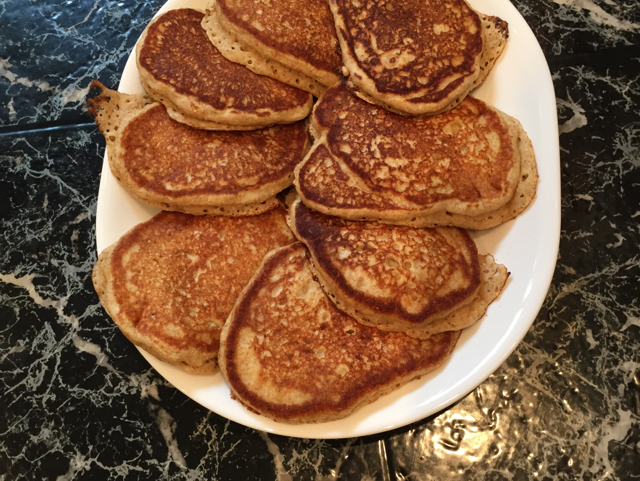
x=41 y=127
x=607 y=57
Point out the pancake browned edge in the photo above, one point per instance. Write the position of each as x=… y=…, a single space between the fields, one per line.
x=171 y=166
x=470 y=167
x=289 y=354
x=170 y=283
x=396 y=278
x=294 y=42
x=181 y=68
x=416 y=57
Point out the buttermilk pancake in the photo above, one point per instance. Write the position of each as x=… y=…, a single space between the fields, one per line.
x=171 y=166
x=396 y=278
x=416 y=56
x=170 y=283
x=289 y=354
x=181 y=68
x=470 y=167
x=291 y=41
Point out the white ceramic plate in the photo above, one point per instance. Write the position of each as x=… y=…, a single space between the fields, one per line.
x=520 y=85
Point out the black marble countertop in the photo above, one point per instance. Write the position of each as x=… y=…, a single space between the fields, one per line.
x=78 y=401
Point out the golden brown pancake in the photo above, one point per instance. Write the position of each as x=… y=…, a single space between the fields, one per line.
x=416 y=56
x=172 y=166
x=170 y=283
x=392 y=273
x=398 y=278
x=181 y=68
x=470 y=167
x=289 y=354
x=279 y=39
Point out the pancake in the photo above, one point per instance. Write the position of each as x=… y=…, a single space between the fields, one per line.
x=181 y=68
x=416 y=57
x=493 y=278
x=171 y=166
x=203 y=124
x=289 y=354
x=397 y=278
x=170 y=283
x=291 y=41
x=471 y=167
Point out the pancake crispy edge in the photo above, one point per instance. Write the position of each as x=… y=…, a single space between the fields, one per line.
x=392 y=61
x=264 y=160
x=495 y=35
x=195 y=122
x=177 y=63
x=169 y=283
x=395 y=277
x=307 y=362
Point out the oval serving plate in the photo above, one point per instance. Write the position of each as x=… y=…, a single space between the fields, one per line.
x=519 y=85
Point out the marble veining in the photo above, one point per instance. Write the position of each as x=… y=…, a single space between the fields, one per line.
x=599 y=15
x=565 y=27
x=46 y=73
x=77 y=401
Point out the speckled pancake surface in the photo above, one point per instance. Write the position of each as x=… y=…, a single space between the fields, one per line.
x=288 y=353
x=298 y=35
x=170 y=283
x=394 y=276
x=172 y=166
x=493 y=279
x=369 y=163
x=416 y=56
x=178 y=64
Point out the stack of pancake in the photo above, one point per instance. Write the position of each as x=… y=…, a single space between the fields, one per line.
x=318 y=299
